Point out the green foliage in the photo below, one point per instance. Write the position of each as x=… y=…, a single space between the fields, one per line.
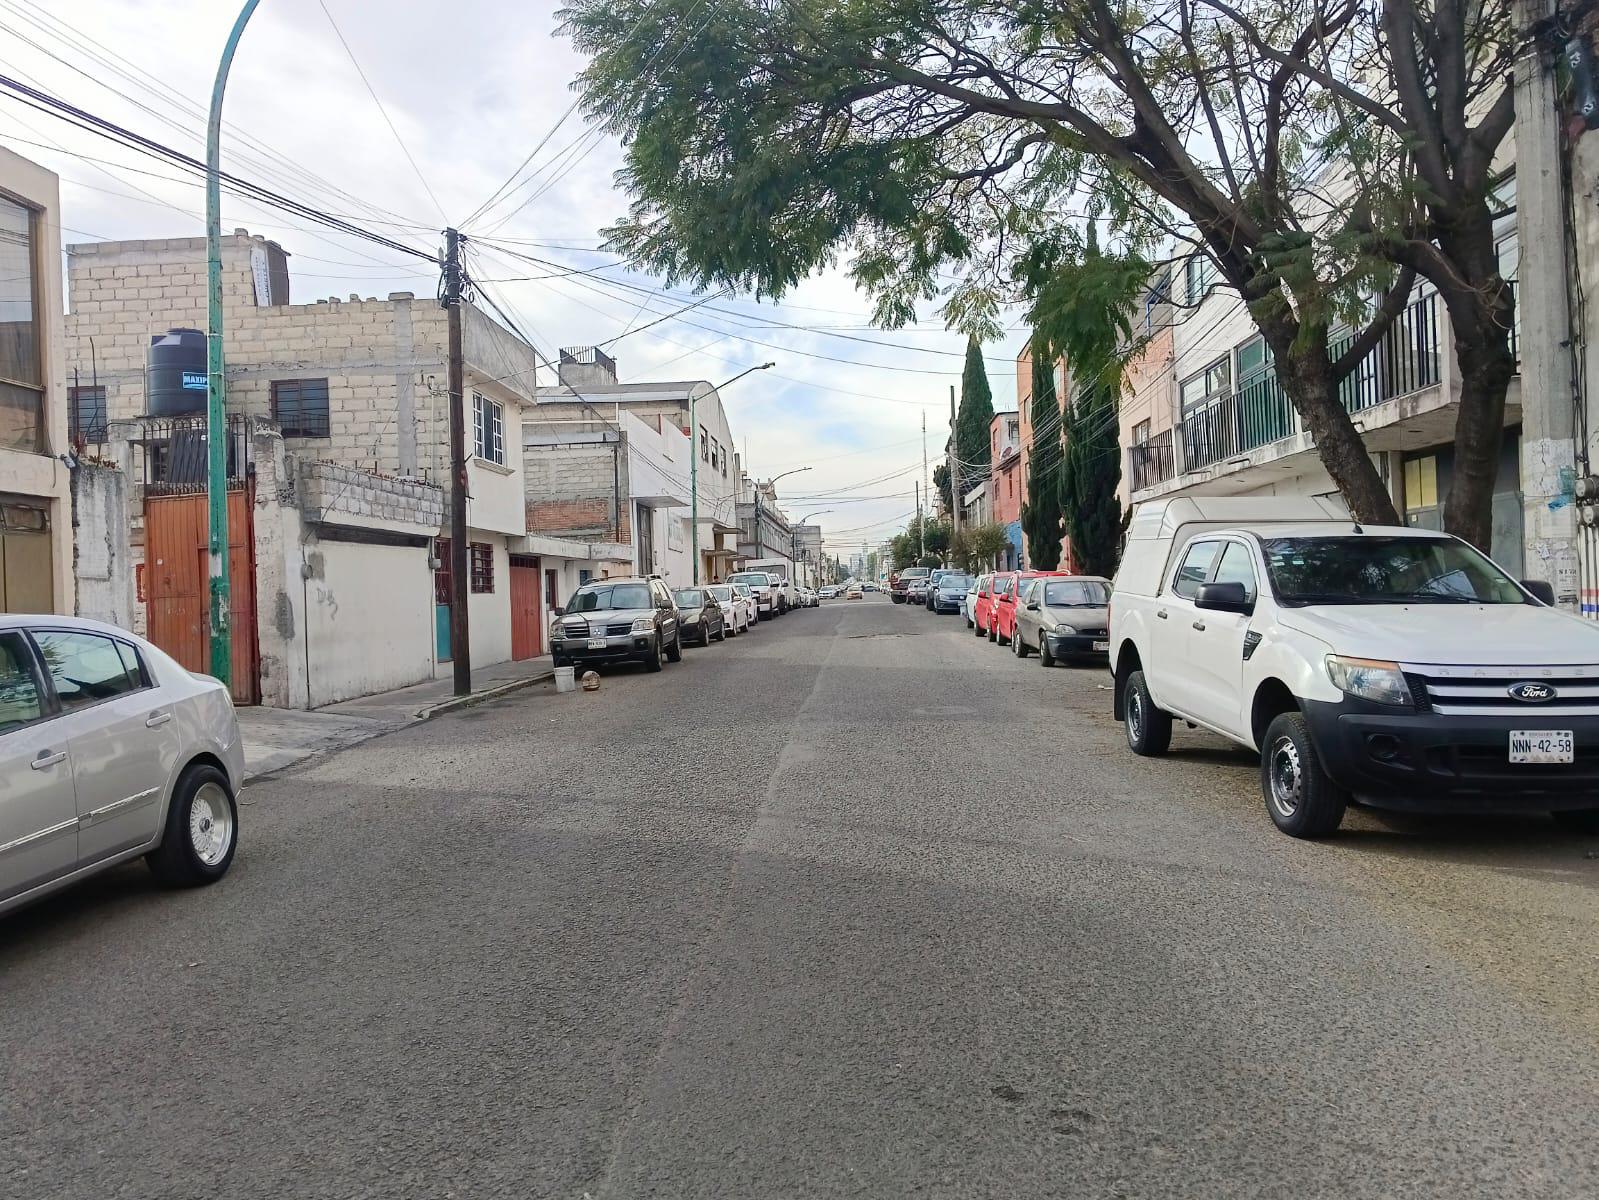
x=906 y=549
x=1041 y=512
x=978 y=547
x=941 y=482
x=972 y=446
x=1093 y=468
x=1084 y=301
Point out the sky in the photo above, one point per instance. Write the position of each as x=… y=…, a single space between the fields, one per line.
x=471 y=88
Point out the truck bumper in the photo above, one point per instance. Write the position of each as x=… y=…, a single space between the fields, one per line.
x=1424 y=762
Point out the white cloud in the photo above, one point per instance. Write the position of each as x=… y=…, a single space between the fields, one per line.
x=471 y=88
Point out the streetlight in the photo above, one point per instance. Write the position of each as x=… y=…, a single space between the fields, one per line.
x=216 y=421
x=694 y=459
x=802 y=521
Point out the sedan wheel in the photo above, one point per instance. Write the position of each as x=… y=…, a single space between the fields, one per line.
x=201 y=831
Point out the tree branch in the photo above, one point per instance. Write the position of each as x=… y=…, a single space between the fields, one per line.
x=1393 y=303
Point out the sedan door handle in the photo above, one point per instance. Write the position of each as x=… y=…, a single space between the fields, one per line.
x=1199 y=625
x=46 y=759
x=156 y=719
x=1161 y=614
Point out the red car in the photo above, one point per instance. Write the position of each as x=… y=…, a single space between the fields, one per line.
x=1004 y=622
x=985 y=610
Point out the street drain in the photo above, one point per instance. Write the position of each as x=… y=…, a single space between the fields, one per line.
x=858 y=636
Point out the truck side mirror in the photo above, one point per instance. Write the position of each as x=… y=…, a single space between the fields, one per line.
x=560 y=610
x=1540 y=590
x=1224 y=597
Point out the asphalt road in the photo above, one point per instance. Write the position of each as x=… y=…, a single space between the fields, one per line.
x=856 y=905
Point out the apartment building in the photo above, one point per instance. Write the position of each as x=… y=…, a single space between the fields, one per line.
x=1203 y=411
x=672 y=440
x=36 y=556
x=1007 y=487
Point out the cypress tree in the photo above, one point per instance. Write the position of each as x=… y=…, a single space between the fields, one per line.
x=1041 y=513
x=1093 y=468
x=971 y=424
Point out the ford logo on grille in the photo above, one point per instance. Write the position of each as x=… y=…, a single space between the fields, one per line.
x=1532 y=693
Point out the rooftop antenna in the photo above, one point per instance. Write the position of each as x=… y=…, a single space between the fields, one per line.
x=1358 y=529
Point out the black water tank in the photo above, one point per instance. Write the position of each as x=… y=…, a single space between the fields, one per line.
x=175 y=374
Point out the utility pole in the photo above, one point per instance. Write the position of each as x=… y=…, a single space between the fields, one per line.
x=216 y=412
x=1548 y=427
x=921 y=525
x=954 y=474
x=460 y=558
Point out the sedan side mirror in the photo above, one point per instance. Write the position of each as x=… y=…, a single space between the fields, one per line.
x=1032 y=606
x=1540 y=590
x=1224 y=597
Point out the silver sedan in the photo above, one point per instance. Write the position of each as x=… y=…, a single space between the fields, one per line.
x=109 y=750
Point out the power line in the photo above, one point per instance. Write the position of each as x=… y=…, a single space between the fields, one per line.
x=385 y=112
x=73 y=115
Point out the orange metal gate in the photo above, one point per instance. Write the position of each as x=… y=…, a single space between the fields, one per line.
x=524 y=607
x=176 y=584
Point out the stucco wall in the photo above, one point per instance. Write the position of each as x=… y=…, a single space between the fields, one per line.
x=369 y=615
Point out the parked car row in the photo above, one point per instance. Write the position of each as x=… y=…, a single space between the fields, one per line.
x=1058 y=616
x=640 y=619
x=1390 y=666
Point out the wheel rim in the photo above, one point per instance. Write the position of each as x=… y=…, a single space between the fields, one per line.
x=210 y=824
x=1287 y=778
x=1135 y=717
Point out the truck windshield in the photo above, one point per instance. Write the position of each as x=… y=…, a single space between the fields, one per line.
x=1385 y=570
x=619 y=595
x=751 y=579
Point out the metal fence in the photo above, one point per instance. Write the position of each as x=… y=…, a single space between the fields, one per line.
x=1149 y=463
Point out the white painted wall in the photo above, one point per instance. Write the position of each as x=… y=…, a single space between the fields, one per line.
x=488 y=614
x=368 y=612
x=497 y=498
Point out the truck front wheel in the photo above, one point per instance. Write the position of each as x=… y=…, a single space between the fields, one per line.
x=1301 y=797
x=1148 y=727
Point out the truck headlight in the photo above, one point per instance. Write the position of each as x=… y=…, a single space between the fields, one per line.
x=643 y=625
x=1369 y=679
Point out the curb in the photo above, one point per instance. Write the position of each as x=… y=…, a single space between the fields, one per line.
x=494 y=693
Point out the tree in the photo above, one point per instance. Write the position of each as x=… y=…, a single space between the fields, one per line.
x=936 y=139
x=978 y=547
x=973 y=450
x=908 y=547
x=941 y=482
x=1093 y=468
x=1041 y=512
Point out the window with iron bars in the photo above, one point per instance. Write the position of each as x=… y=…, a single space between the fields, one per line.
x=300 y=407
x=86 y=415
x=482 y=567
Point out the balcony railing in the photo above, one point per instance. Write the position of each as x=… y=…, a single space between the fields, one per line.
x=1257 y=412
x=1149 y=463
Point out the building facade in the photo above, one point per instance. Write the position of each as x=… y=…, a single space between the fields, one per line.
x=1006 y=486
x=357 y=385
x=36 y=459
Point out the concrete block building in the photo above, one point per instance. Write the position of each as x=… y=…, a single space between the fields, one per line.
x=355 y=386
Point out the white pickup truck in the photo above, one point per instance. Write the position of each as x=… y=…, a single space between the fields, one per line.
x=1393 y=666
x=774 y=593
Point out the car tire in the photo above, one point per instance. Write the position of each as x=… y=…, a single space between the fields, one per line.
x=1018 y=644
x=1578 y=820
x=674 y=652
x=201 y=831
x=721 y=632
x=993 y=633
x=653 y=661
x=1045 y=658
x=558 y=661
x=1148 y=727
x=1301 y=798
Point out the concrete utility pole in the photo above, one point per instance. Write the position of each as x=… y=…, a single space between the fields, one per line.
x=921 y=525
x=216 y=412
x=1548 y=419
x=460 y=558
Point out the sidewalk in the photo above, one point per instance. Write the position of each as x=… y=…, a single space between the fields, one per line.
x=275 y=738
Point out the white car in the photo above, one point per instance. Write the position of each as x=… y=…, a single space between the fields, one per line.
x=1392 y=665
x=767 y=590
x=109 y=750
x=738 y=609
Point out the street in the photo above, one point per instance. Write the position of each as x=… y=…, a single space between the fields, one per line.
x=855 y=905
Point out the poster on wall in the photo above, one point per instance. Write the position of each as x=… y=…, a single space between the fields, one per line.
x=262 y=274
